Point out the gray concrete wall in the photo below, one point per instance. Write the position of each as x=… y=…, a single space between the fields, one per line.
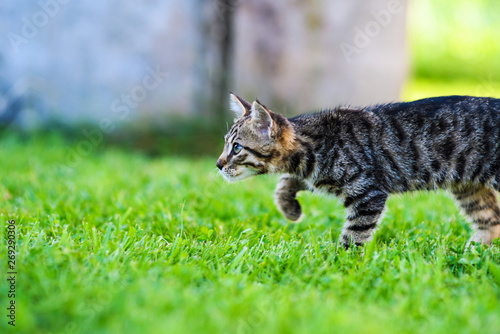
x=90 y=60
x=322 y=53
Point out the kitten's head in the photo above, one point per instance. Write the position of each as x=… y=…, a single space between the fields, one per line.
x=256 y=143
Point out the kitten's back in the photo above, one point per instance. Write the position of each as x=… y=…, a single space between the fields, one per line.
x=441 y=141
x=425 y=144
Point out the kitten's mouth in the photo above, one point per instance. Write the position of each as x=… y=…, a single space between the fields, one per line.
x=236 y=176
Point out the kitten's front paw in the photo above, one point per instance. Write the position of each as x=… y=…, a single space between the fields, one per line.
x=290 y=208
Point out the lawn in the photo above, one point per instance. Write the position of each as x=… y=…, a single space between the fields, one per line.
x=124 y=243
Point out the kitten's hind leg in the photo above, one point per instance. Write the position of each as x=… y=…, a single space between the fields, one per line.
x=285 y=197
x=480 y=205
x=364 y=211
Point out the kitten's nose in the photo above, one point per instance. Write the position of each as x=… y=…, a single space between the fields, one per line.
x=219 y=164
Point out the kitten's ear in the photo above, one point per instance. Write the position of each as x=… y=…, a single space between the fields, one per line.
x=261 y=118
x=239 y=106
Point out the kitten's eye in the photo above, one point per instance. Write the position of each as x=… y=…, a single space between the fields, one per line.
x=237 y=148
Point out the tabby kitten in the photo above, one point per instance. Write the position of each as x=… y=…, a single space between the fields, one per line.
x=364 y=154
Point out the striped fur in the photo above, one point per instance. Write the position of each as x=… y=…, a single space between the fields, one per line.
x=364 y=154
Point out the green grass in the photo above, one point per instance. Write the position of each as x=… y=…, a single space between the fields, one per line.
x=122 y=243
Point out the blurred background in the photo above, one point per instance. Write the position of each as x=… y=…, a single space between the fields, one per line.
x=155 y=75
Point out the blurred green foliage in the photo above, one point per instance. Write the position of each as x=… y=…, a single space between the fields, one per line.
x=455 y=40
